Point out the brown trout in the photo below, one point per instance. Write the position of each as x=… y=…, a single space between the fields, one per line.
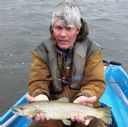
x=63 y=110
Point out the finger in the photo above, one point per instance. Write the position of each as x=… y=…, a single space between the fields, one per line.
x=87 y=122
x=77 y=118
x=41 y=97
x=42 y=118
x=75 y=101
x=29 y=117
x=73 y=118
x=84 y=101
x=30 y=98
x=37 y=118
x=81 y=100
x=89 y=104
x=80 y=119
x=92 y=99
x=88 y=101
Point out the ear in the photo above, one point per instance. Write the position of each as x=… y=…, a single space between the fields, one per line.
x=51 y=29
x=78 y=30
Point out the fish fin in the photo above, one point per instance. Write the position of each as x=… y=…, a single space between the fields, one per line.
x=89 y=118
x=66 y=122
x=106 y=115
x=63 y=99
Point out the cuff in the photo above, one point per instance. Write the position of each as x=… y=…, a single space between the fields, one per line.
x=83 y=94
x=37 y=92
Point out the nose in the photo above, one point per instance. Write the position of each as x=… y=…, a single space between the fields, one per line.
x=63 y=33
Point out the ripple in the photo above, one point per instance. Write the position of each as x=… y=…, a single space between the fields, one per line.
x=14 y=66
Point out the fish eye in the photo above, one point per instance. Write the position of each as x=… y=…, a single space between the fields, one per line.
x=21 y=108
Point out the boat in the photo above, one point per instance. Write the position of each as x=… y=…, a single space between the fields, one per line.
x=115 y=96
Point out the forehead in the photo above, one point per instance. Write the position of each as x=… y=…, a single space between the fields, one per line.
x=63 y=23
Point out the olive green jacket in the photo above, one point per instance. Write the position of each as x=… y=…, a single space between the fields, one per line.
x=92 y=82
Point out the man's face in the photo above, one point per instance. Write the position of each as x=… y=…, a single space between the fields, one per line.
x=65 y=36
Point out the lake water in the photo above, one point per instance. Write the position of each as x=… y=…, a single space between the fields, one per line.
x=24 y=23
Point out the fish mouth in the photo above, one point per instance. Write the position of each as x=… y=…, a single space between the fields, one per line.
x=16 y=111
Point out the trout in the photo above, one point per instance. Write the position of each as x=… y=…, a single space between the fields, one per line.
x=63 y=110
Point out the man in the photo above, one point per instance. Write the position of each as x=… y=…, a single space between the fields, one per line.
x=68 y=64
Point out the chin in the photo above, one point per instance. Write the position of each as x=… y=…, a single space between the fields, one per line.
x=64 y=46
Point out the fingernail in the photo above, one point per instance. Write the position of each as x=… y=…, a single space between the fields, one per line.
x=86 y=122
x=72 y=118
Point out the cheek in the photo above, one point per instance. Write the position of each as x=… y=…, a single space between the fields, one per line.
x=55 y=35
x=73 y=37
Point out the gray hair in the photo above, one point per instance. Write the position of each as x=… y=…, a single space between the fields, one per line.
x=68 y=13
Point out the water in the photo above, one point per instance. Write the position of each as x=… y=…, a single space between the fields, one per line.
x=24 y=23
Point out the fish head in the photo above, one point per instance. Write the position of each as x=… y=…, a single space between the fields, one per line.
x=24 y=110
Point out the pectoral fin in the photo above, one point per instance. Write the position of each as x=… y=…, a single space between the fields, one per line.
x=89 y=118
x=66 y=122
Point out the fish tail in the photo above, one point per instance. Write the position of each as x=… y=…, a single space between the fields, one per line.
x=106 y=115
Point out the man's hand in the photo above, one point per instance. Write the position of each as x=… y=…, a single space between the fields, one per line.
x=41 y=97
x=89 y=101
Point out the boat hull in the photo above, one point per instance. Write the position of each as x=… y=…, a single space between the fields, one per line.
x=115 y=77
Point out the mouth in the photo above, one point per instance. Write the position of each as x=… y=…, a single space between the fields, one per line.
x=63 y=42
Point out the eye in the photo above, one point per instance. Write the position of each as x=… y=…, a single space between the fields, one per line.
x=58 y=28
x=68 y=28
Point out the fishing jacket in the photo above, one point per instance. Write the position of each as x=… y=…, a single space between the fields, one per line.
x=79 y=74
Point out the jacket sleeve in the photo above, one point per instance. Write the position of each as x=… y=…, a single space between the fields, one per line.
x=39 y=77
x=93 y=83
